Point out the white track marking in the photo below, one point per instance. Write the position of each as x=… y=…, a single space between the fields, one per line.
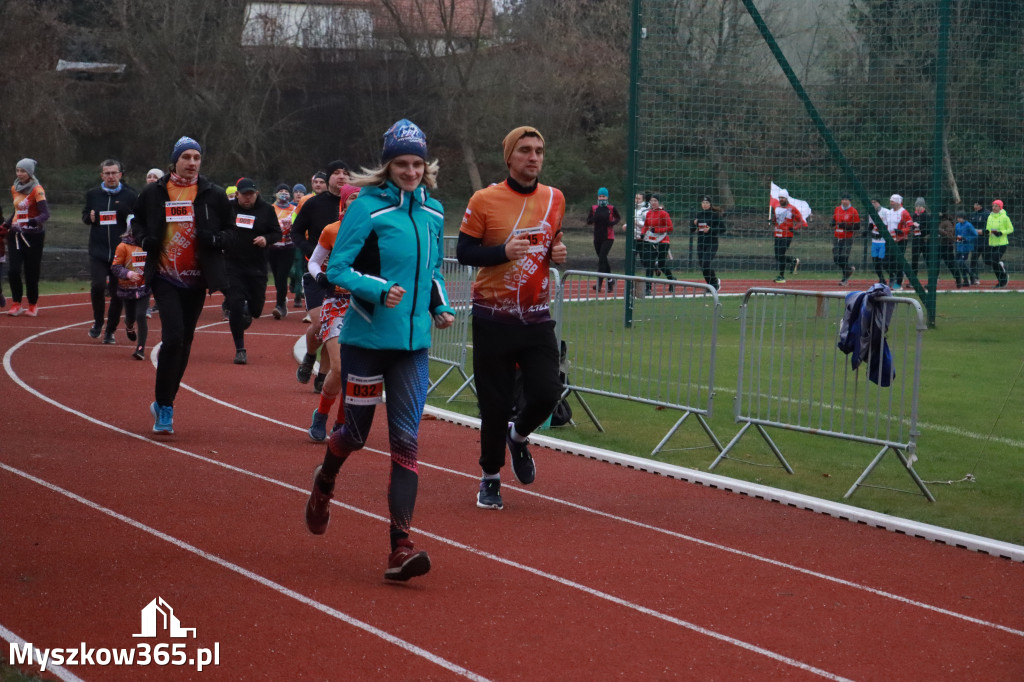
x=563 y=581
x=57 y=671
x=534 y=571
x=255 y=577
x=689 y=538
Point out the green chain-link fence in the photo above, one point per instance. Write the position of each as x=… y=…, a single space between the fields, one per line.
x=920 y=98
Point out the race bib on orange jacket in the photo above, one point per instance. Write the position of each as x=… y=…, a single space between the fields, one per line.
x=179 y=261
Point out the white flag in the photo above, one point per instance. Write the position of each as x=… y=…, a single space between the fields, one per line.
x=800 y=204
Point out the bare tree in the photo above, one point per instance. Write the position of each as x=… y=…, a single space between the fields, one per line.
x=40 y=118
x=191 y=74
x=733 y=91
x=447 y=38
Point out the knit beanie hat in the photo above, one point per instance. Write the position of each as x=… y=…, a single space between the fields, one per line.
x=334 y=166
x=322 y=175
x=999 y=203
x=920 y=203
x=183 y=143
x=158 y=172
x=282 y=186
x=897 y=198
x=27 y=165
x=299 y=187
x=404 y=137
x=602 y=191
x=344 y=194
x=509 y=143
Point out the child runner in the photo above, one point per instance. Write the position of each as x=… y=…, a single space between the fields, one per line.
x=129 y=264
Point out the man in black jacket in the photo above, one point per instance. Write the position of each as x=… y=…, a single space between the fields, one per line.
x=307 y=224
x=106 y=212
x=255 y=228
x=183 y=223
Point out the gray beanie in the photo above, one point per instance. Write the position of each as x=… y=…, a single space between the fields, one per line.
x=27 y=165
x=919 y=203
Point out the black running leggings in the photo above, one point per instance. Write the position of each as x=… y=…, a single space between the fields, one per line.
x=104 y=283
x=281 y=260
x=179 y=314
x=25 y=254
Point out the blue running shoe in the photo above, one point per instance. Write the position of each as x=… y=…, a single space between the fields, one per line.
x=522 y=463
x=318 y=431
x=489 y=495
x=164 y=418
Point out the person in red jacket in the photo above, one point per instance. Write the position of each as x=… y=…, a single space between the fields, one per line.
x=786 y=220
x=656 y=233
x=845 y=221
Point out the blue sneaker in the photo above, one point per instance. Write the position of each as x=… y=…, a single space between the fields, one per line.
x=164 y=416
x=522 y=463
x=489 y=495
x=318 y=431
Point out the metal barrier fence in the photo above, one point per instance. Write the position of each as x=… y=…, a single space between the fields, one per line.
x=793 y=376
x=664 y=355
x=450 y=245
x=449 y=346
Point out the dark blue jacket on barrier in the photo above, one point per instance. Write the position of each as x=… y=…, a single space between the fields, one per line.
x=862 y=333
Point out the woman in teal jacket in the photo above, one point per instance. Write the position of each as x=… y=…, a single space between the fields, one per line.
x=388 y=254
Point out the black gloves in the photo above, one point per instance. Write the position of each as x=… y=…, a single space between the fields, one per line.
x=210 y=239
x=323 y=282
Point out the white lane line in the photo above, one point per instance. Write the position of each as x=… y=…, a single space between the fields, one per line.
x=529 y=569
x=255 y=577
x=412 y=648
x=57 y=671
x=681 y=536
x=597 y=512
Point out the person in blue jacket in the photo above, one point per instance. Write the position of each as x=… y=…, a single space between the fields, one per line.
x=388 y=255
x=966 y=237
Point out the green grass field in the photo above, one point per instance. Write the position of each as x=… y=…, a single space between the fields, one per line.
x=970 y=419
x=8 y=673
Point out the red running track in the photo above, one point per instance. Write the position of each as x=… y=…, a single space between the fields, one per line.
x=593 y=572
